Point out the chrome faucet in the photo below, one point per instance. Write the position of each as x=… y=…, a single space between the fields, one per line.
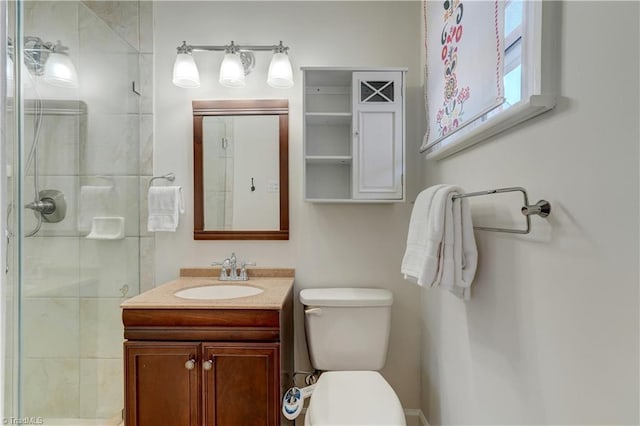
x=229 y=269
x=234 y=270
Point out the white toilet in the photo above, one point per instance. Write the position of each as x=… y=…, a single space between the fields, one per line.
x=347 y=336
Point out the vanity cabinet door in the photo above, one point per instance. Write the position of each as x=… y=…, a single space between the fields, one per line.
x=162 y=386
x=241 y=384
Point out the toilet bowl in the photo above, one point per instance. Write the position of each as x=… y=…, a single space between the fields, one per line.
x=343 y=398
x=347 y=336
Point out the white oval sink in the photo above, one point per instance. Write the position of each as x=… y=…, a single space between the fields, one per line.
x=218 y=292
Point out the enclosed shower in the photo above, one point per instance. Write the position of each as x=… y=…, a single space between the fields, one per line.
x=76 y=107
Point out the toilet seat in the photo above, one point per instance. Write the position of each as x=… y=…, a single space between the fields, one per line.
x=343 y=398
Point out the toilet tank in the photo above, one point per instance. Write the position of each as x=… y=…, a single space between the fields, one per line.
x=347 y=328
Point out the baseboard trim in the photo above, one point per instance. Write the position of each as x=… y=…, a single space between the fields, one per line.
x=416 y=412
x=423 y=419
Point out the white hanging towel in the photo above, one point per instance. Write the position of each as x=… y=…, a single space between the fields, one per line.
x=95 y=201
x=441 y=249
x=165 y=206
x=423 y=243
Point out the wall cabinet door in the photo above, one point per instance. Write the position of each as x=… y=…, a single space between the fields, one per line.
x=241 y=384
x=378 y=135
x=162 y=382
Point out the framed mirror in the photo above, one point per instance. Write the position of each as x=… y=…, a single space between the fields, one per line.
x=241 y=169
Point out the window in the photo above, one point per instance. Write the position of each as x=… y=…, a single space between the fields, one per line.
x=513 y=52
x=527 y=90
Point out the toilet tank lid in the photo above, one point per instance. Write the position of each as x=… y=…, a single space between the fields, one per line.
x=346 y=297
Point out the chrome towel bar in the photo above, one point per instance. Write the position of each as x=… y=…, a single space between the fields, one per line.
x=542 y=208
x=169 y=176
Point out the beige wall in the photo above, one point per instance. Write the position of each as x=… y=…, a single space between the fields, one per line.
x=550 y=335
x=330 y=245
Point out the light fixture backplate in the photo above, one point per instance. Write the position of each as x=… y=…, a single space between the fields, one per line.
x=248 y=61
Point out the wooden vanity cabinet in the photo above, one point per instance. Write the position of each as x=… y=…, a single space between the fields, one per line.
x=209 y=367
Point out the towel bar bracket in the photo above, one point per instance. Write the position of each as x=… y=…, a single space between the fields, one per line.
x=542 y=208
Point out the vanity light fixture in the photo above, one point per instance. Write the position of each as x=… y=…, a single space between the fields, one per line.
x=50 y=61
x=238 y=62
x=185 y=71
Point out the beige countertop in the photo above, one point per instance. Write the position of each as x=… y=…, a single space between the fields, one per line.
x=276 y=283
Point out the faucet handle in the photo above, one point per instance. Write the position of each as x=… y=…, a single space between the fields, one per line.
x=223 y=270
x=243 y=270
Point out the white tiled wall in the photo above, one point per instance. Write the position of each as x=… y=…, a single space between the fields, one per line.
x=100 y=328
x=109 y=267
x=100 y=393
x=51 y=327
x=120 y=16
x=110 y=151
x=53 y=386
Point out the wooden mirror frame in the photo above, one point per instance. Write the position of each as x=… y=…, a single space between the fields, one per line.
x=201 y=109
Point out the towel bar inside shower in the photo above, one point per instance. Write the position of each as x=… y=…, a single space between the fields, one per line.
x=542 y=208
x=169 y=176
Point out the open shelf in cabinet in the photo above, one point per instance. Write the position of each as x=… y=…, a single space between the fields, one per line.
x=333 y=139
x=328 y=159
x=328 y=180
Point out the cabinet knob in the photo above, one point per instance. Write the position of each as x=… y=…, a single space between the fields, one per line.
x=208 y=365
x=190 y=365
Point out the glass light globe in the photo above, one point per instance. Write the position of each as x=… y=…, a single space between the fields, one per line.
x=59 y=71
x=185 y=72
x=280 y=74
x=232 y=71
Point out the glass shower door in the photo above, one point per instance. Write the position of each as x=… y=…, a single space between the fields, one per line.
x=80 y=145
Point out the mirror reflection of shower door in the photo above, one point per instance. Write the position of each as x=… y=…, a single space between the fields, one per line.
x=218 y=175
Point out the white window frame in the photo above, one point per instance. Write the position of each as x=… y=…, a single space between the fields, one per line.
x=513 y=46
x=539 y=82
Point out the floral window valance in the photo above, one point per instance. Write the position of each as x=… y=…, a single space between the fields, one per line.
x=464 y=64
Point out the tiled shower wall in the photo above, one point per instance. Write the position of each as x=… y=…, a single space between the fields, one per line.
x=73 y=286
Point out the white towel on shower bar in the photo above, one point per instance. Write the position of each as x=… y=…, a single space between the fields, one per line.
x=165 y=206
x=441 y=249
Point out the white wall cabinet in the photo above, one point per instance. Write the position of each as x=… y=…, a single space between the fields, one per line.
x=354 y=144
